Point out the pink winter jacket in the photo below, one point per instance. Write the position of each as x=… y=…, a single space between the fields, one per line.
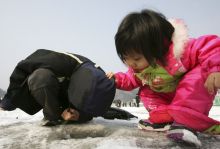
x=190 y=103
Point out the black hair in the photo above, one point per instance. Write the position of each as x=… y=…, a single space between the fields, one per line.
x=146 y=32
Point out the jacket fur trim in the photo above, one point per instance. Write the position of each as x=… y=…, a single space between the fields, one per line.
x=180 y=37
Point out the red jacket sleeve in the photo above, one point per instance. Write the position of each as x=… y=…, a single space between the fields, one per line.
x=126 y=81
x=204 y=51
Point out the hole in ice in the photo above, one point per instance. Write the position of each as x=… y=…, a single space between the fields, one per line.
x=84 y=131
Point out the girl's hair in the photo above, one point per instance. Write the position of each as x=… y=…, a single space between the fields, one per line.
x=146 y=32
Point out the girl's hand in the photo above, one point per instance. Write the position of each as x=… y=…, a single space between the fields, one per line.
x=212 y=83
x=110 y=75
x=70 y=114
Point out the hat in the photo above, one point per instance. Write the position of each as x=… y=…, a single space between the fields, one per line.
x=90 y=91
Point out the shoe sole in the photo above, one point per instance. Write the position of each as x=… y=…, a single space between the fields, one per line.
x=148 y=128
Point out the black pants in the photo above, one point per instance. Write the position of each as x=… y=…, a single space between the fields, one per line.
x=48 y=92
x=51 y=94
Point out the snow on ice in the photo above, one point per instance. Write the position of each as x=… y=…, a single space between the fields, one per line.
x=21 y=131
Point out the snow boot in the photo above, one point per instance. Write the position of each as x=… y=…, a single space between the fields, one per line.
x=182 y=134
x=116 y=113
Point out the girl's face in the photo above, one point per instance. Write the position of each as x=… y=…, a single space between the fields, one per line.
x=136 y=61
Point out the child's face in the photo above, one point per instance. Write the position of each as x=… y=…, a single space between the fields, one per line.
x=136 y=61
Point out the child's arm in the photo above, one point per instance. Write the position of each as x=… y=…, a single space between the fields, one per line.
x=124 y=81
x=205 y=51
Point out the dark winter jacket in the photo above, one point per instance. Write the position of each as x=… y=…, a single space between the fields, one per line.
x=89 y=89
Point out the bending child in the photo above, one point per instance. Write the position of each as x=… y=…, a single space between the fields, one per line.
x=66 y=86
x=177 y=76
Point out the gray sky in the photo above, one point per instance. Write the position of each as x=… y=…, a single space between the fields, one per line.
x=86 y=27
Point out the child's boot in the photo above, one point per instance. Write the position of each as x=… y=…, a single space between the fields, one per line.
x=182 y=134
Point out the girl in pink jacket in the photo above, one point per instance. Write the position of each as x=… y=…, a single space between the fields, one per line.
x=177 y=76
